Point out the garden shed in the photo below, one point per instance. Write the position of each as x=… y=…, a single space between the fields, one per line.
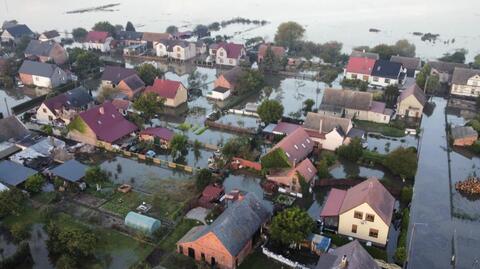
x=141 y=222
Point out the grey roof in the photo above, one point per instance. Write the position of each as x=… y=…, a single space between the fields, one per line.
x=233 y=74
x=415 y=91
x=78 y=97
x=129 y=35
x=39 y=48
x=362 y=54
x=117 y=73
x=462 y=75
x=407 y=62
x=134 y=82
x=51 y=34
x=324 y=123
x=37 y=68
x=236 y=225
x=12 y=128
x=463 y=132
x=19 y=30
x=71 y=170
x=357 y=258
x=445 y=67
x=347 y=99
x=356 y=133
x=170 y=43
x=13 y=174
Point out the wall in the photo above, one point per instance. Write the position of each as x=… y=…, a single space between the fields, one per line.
x=26 y=79
x=42 y=82
x=59 y=77
x=412 y=105
x=43 y=116
x=466 y=90
x=332 y=141
x=58 y=54
x=467 y=141
x=382 y=82
x=222 y=82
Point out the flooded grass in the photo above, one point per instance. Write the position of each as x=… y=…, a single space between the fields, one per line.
x=122 y=203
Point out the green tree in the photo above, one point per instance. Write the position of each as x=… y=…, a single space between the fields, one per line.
x=201 y=30
x=12 y=202
x=197 y=145
x=457 y=57
x=22 y=45
x=129 y=27
x=270 y=111
x=433 y=83
x=400 y=255
x=423 y=75
x=35 y=183
x=148 y=73
x=178 y=145
x=404 y=48
x=292 y=225
x=79 y=34
x=308 y=105
x=149 y=105
x=406 y=195
x=95 y=175
x=203 y=178
x=237 y=147
x=271 y=63
x=84 y=61
x=331 y=52
x=288 y=33
x=322 y=169
x=476 y=62
x=66 y=262
x=20 y=231
x=403 y=162
x=172 y=29
x=251 y=80
x=105 y=26
x=391 y=95
x=352 y=152
x=384 y=51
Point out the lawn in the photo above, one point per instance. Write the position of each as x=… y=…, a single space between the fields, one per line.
x=257 y=260
x=385 y=129
x=171 y=196
x=122 y=203
x=28 y=216
x=180 y=230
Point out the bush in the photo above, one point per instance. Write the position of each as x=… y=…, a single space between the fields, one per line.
x=322 y=169
x=275 y=159
x=203 y=178
x=330 y=158
x=402 y=162
x=35 y=183
x=352 y=151
x=20 y=231
x=23 y=256
x=400 y=255
x=406 y=195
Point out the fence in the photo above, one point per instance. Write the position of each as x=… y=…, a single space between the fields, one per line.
x=243 y=112
x=282 y=259
x=230 y=128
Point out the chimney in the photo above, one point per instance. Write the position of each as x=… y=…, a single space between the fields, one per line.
x=101 y=110
x=344 y=262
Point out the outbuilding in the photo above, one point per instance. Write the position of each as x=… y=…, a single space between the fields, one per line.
x=14 y=174
x=141 y=222
x=464 y=136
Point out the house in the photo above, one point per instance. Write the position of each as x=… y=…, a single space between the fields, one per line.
x=296 y=146
x=129 y=38
x=52 y=35
x=102 y=123
x=65 y=106
x=464 y=136
x=183 y=35
x=13 y=130
x=157 y=135
x=7 y=24
x=174 y=92
x=201 y=47
x=411 y=64
x=112 y=75
x=348 y=256
x=411 y=102
x=359 y=68
x=363 y=211
x=444 y=70
x=278 y=51
x=142 y=223
x=219 y=93
x=153 y=39
x=43 y=151
x=42 y=74
x=97 y=40
x=14 y=174
x=228 y=53
x=466 y=82
x=210 y=195
x=279 y=129
x=229 y=239
x=131 y=86
x=70 y=171
x=327 y=131
x=15 y=33
x=229 y=79
x=387 y=73
x=48 y=51
x=290 y=178
x=354 y=105
x=136 y=49
x=121 y=105
x=176 y=49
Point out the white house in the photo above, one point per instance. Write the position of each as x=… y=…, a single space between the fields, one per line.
x=327 y=131
x=176 y=49
x=219 y=93
x=42 y=74
x=466 y=82
x=387 y=73
x=228 y=53
x=96 y=40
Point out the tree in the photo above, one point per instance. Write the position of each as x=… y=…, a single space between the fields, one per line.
x=457 y=57
x=352 y=151
x=270 y=111
x=271 y=63
x=331 y=52
x=197 y=145
x=83 y=61
x=404 y=48
x=476 y=62
x=12 y=202
x=203 y=178
x=423 y=75
x=129 y=27
x=105 y=26
x=402 y=162
x=35 y=183
x=384 y=51
x=237 y=147
x=292 y=225
x=79 y=34
x=288 y=33
x=400 y=255
x=250 y=80
x=201 y=31
x=215 y=26
x=22 y=45
x=20 y=231
x=391 y=94
x=178 y=145
x=406 y=195
x=172 y=29
x=432 y=84
x=95 y=175
x=308 y=105
x=149 y=104
x=148 y=73
x=65 y=262
x=322 y=169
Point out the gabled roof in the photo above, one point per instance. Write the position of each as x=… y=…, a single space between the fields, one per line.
x=235 y=226
x=75 y=98
x=297 y=146
x=19 y=30
x=51 y=34
x=121 y=104
x=334 y=203
x=306 y=169
x=411 y=63
x=360 y=65
x=233 y=75
x=363 y=54
x=347 y=99
x=357 y=258
x=71 y=170
x=416 y=92
x=14 y=174
x=129 y=35
x=39 y=48
x=445 y=67
x=134 y=82
x=378 y=107
x=372 y=192
x=386 y=69
x=96 y=37
x=37 y=69
x=107 y=123
x=171 y=43
x=12 y=128
x=462 y=75
x=463 y=132
x=285 y=128
x=324 y=123
x=277 y=50
x=233 y=50
x=160 y=132
x=164 y=88
x=155 y=37
x=116 y=73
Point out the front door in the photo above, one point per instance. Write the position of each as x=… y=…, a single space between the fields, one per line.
x=191 y=253
x=213 y=261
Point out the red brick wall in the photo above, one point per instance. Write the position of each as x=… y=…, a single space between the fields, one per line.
x=222 y=82
x=26 y=79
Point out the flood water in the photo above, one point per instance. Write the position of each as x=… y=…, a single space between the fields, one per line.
x=343 y=20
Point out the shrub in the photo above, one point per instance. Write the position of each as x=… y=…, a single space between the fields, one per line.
x=276 y=158
x=35 y=183
x=330 y=158
x=323 y=169
x=406 y=195
x=21 y=257
x=20 y=231
x=402 y=162
x=352 y=151
x=400 y=255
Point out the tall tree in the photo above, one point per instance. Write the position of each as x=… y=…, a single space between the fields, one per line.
x=476 y=62
x=79 y=34
x=391 y=94
x=203 y=178
x=149 y=105
x=457 y=57
x=288 y=33
x=270 y=63
x=291 y=226
x=251 y=80
x=308 y=105
x=172 y=29
x=129 y=27
x=105 y=26
x=95 y=175
x=178 y=145
x=270 y=111
x=423 y=75
x=384 y=51
x=404 y=48
x=147 y=72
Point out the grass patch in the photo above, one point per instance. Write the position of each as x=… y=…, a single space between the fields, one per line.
x=178 y=261
x=122 y=203
x=77 y=124
x=385 y=129
x=27 y=217
x=44 y=197
x=171 y=196
x=259 y=261
x=184 y=126
x=180 y=230
x=201 y=131
x=377 y=253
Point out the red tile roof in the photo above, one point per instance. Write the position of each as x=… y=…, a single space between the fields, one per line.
x=233 y=50
x=160 y=132
x=334 y=203
x=296 y=145
x=96 y=37
x=360 y=65
x=164 y=88
x=212 y=192
x=121 y=104
x=107 y=123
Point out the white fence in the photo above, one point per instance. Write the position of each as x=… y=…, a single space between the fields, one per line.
x=282 y=259
x=243 y=112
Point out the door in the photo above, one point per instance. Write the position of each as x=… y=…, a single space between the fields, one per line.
x=214 y=262
x=191 y=253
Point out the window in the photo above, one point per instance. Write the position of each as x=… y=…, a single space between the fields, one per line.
x=178 y=55
x=296 y=147
x=288 y=155
x=354 y=228
x=303 y=145
x=203 y=257
x=44 y=110
x=179 y=49
x=354 y=76
x=387 y=80
x=221 y=54
x=370 y=217
x=358 y=215
x=180 y=249
x=375 y=79
x=373 y=233
x=230 y=61
x=365 y=78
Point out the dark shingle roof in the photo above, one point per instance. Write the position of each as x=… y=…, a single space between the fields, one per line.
x=462 y=75
x=415 y=91
x=19 y=30
x=134 y=82
x=233 y=75
x=410 y=63
x=347 y=99
x=37 y=68
x=386 y=69
x=324 y=123
x=71 y=170
x=78 y=97
x=12 y=128
x=445 y=67
x=129 y=35
x=170 y=43
x=39 y=48
x=13 y=173
x=51 y=34
x=357 y=258
x=117 y=73
x=236 y=225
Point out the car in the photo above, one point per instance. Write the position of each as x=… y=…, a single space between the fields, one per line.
x=150 y=154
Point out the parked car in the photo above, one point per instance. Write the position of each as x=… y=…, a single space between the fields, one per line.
x=150 y=154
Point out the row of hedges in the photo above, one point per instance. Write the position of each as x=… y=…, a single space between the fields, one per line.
x=401 y=251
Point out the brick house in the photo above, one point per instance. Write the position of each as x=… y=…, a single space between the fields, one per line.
x=131 y=86
x=173 y=92
x=229 y=80
x=46 y=52
x=229 y=239
x=42 y=74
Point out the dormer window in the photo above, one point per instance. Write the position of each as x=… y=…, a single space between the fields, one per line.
x=99 y=122
x=303 y=145
x=309 y=170
x=296 y=147
x=288 y=155
x=113 y=116
x=308 y=141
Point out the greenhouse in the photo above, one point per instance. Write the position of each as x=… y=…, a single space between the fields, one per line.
x=141 y=222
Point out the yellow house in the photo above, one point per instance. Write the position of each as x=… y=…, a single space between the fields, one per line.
x=363 y=211
x=411 y=102
x=174 y=92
